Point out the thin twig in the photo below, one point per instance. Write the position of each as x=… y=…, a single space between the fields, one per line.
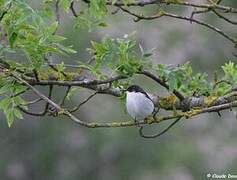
x=223 y=17
x=32 y=102
x=57 y=12
x=160 y=133
x=19 y=93
x=73 y=10
x=163 y=14
x=198 y=12
x=83 y=102
x=65 y=96
x=43 y=113
x=179 y=3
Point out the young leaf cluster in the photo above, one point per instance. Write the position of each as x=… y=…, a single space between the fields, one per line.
x=31 y=33
x=9 y=90
x=183 y=79
x=119 y=55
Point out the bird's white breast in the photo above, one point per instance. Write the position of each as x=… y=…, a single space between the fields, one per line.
x=138 y=105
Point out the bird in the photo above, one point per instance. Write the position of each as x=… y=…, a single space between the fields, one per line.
x=138 y=104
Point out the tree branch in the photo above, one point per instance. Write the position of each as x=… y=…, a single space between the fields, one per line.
x=43 y=113
x=179 y=3
x=83 y=83
x=158 y=119
x=83 y=102
x=162 y=83
x=190 y=19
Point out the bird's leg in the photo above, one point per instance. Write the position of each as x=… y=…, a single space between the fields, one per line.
x=137 y=122
x=155 y=113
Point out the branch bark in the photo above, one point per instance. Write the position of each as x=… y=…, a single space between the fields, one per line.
x=158 y=119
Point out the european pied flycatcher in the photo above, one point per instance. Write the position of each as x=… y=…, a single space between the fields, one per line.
x=139 y=104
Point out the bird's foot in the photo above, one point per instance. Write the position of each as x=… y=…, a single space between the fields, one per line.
x=137 y=123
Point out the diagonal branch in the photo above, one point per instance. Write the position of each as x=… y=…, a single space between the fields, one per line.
x=43 y=113
x=190 y=19
x=83 y=102
x=225 y=18
x=73 y=10
x=162 y=83
x=65 y=96
x=179 y=3
x=160 y=133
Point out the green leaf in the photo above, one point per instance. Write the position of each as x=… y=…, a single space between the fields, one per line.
x=98 y=8
x=230 y=70
x=4 y=103
x=103 y=24
x=5 y=88
x=83 y=20
x=53 y=27
x=66 y=49
x=65 y=4
x=18 y=114
x=10 y=117
x=114 y=1
x=147 y=55
x=117 y=54
x=57 y=38
x=12 y=39
x=172 y=82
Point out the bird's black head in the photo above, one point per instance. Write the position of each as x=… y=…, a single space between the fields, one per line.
x=134 y=88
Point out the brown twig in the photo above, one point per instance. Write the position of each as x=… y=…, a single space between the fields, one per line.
x=83 y=102
x=179 y=3
x=160 y=133
x=163 y=14
x=73 y=10
x=19 y=93
x=43 y=113
x=223 y=17
x=32 y=102
x=65 y=96
x=57 y=12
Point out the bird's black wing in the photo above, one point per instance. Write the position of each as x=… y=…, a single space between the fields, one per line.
x=144 y=92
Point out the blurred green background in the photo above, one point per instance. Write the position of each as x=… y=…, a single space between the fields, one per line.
x=55 y=148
